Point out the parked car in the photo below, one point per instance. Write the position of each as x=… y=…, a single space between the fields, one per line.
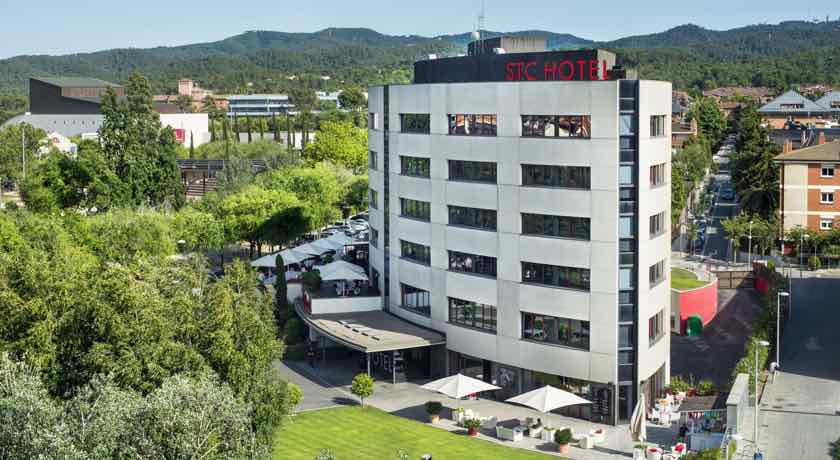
x=727 y=194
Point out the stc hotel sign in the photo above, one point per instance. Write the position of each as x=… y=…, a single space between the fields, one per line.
x=565 y=70
x=583 y=65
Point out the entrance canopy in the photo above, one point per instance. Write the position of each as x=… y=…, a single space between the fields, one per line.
x=372 y=331
x=341 y=270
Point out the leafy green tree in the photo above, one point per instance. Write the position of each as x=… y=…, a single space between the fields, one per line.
x=281 y=308
x=15 y=141
x=138 y=149
x=250 y=214
x=710 y=120
x=754 y=173
x=339 y=143
x=362 y=387
x=736 y=228
x=208 y=105
x=184 y=103
x=352 y=98
x=316 y=187
x=355 y=197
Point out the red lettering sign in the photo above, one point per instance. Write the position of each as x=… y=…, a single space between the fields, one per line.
x=528 y=75
x=564 y=70
x=570 y=73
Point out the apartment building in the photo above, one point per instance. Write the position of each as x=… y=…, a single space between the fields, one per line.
x=519 y=205
x=809 y=183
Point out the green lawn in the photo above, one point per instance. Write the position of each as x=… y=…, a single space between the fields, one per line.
x=356 y=433
x=683 y=279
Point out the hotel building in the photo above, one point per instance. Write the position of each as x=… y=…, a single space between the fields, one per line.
x=520 y=207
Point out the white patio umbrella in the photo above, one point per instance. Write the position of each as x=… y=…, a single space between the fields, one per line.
x=341 y=270
x=340 y=238
x=290 y=256
x=309 y=250
x=638 y=422
x=326 y=245
x=547 y=398
x=457 y=386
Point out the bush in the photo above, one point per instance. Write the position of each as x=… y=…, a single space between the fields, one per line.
x=473 y=423
x=679 y=384
x=362 y=387
x=563 y=436
x=814 y=263
x=293 y=331
x=433 y=407
x=705 y=454
x=312 y=280
x=706 y=388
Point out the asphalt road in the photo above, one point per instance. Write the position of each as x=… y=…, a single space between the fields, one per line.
x=801 y=410
x=717 y=245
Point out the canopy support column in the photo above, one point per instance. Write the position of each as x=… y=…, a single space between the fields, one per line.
x=367 y=358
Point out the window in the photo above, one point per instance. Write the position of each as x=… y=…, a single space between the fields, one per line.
x=625 y=175
x=371 y=120
x=625 y=278
x=796 y=105
x=556 y=126
x=374 y=237
x=557 y=226
x=472 y=314
x=472 y=263
x=826 y=224
x=417 y=123
x=657 y=125
x=416 y=252
x=827 y=171
x=373 y=198
x=414 y=166
x=477 y=171
x=656 y=327
x=552 y=275
x=625 y=227
x=625 y=336
x=372 y=160
x=556 y=176
x=472 y=125
x=558 y=331
x=657 y=224
x=415 y=300
x=656 y=273
x=657 y=175
x=627 y=125
x=415 y=209
x=484 y=219
x=827 y=197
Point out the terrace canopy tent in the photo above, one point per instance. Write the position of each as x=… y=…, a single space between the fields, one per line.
x=548 y=398
x=341 y=239
x=310 y=250
x=290 y=256
x=341 y=270
x=458 y=386
x=326 y=245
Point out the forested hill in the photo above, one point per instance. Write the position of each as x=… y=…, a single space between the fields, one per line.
x=690 y=56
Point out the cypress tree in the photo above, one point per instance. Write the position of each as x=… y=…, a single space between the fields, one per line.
x=281 y=313
x=248 y=124
x=192 y=146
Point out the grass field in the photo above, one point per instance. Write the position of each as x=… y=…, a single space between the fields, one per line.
x=684 y=279
x=355 y=433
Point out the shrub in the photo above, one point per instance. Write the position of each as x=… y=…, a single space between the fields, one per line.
x=705 y=454
x=433 y=407
x=814 y=263
x=563 y=436
x=679 y=384
x=706 y=388
x=473 y=423
x=312 y=280
x=293 y=331
x=362 y=387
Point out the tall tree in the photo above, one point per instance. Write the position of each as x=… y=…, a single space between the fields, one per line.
x=754 y=173
x=340 y=143
x=305 y=101
x=138 y=149
x=353 y=99
x=208 y=104
x=184 y=103
x=710 y=120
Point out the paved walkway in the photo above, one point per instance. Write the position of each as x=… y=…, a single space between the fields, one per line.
x=328 y=385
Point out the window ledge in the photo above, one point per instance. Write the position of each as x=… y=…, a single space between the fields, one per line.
x=414 y=177
x=415 y=261
x=479 y=275
x=415 y=132
x=474 y=135
x=656 y=235
x=467 y=227
x=468 y=181
x=415 y=219
x=472 y=328
x=653 y=342
x=556 y=345
x=413 y=310
x=562 y=238
x=582 y=138
x=557 y=187
x=551 y=286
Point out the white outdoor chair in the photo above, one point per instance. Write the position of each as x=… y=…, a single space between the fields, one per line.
x=508 y=434
x=535 y=432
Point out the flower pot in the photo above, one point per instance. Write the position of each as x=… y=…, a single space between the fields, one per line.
x=563 y=448
x=654 y=453
x=472 y=431
x=434 y=418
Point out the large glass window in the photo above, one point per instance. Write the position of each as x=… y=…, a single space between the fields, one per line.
x=477 y=171
x=472 y=314
x=371 y=120
x=484 y=219
x=627 y=125
x=372 y=160
x=556 y=176
x=657 y=175
x=415 y=123
x=373 y=198
x=553 y=275
x=472 y=124
x=415 y=300
x=558 y=226
x=374 y=237
x=416 y=252
x=415 y=166
x=626 y=225
x=657 y=125
x=559 y=331
x=625 y=336
x=657 y=224
x=556 y=126
x=415 y=209
x=472 y=263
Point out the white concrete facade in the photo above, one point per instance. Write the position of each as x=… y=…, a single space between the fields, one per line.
x=509 y=150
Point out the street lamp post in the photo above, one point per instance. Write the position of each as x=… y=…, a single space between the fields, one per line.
x=749 y=248
x=779 y=296
x=759 y=343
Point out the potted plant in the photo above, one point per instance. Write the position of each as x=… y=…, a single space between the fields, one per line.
x=653 y=453
x=639 y=451
x=458 y=415
x=563 y=438
x=433 y=408
x=548 y=433
x=472 y=426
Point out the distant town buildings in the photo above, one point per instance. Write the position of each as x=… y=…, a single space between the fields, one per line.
x=792 y=108
x=760 y=95
x=167 y=103
x=259 y=105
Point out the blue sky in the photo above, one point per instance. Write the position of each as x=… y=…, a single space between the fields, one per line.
x=68 y=26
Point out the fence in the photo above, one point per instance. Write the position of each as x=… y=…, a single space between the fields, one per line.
x=735 y=279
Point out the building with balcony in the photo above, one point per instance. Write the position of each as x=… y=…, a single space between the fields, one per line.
x=810 y=186
x=258 y=105
x=509 y=197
